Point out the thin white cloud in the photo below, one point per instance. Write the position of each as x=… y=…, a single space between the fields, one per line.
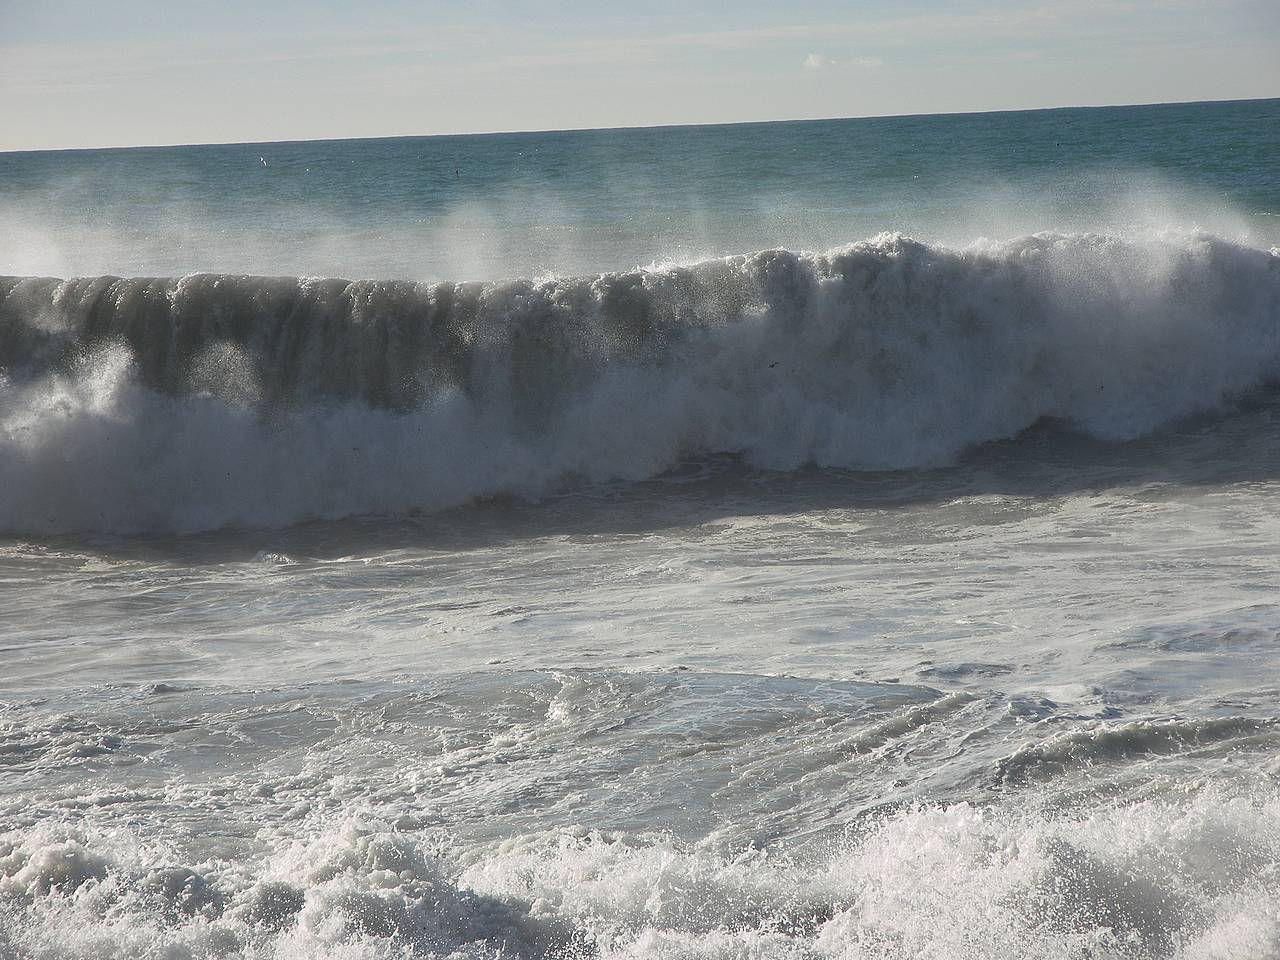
x=820 y=61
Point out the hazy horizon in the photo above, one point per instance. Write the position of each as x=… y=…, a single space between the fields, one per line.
x=640 y=126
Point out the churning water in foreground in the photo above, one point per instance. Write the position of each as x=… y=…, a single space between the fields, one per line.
x=914 y=598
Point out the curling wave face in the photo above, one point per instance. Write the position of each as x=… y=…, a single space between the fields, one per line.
x=215 y=401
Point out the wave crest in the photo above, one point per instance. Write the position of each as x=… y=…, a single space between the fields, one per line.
x=213 y=401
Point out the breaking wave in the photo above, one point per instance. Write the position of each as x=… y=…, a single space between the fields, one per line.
x=217 y=401
x=1189 y=876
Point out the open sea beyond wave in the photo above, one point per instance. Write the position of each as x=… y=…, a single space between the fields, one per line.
x=850 y=539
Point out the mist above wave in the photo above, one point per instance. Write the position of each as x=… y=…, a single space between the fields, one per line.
x=211 y=401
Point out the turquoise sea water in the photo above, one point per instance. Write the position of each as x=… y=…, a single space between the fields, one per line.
x=849 y=540
x=511 y=205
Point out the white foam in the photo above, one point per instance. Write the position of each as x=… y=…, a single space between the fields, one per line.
x=1188 y=876
x=884 y=354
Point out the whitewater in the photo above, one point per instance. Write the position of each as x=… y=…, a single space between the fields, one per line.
x=215 y=401
x=730 y=542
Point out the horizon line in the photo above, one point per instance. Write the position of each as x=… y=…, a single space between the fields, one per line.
x=640 y=126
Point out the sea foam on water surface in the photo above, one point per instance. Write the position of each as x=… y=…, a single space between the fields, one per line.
x=1006 y=694
x=1188 y=875
x=211 y=401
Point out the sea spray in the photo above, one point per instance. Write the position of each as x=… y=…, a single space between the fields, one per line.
x=212 y=401
x=1144 y=880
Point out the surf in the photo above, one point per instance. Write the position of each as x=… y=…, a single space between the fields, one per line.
x=211 y=401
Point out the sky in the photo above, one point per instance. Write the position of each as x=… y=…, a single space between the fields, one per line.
x=81 y=73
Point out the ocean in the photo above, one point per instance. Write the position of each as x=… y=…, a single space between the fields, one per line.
x=839 y=539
